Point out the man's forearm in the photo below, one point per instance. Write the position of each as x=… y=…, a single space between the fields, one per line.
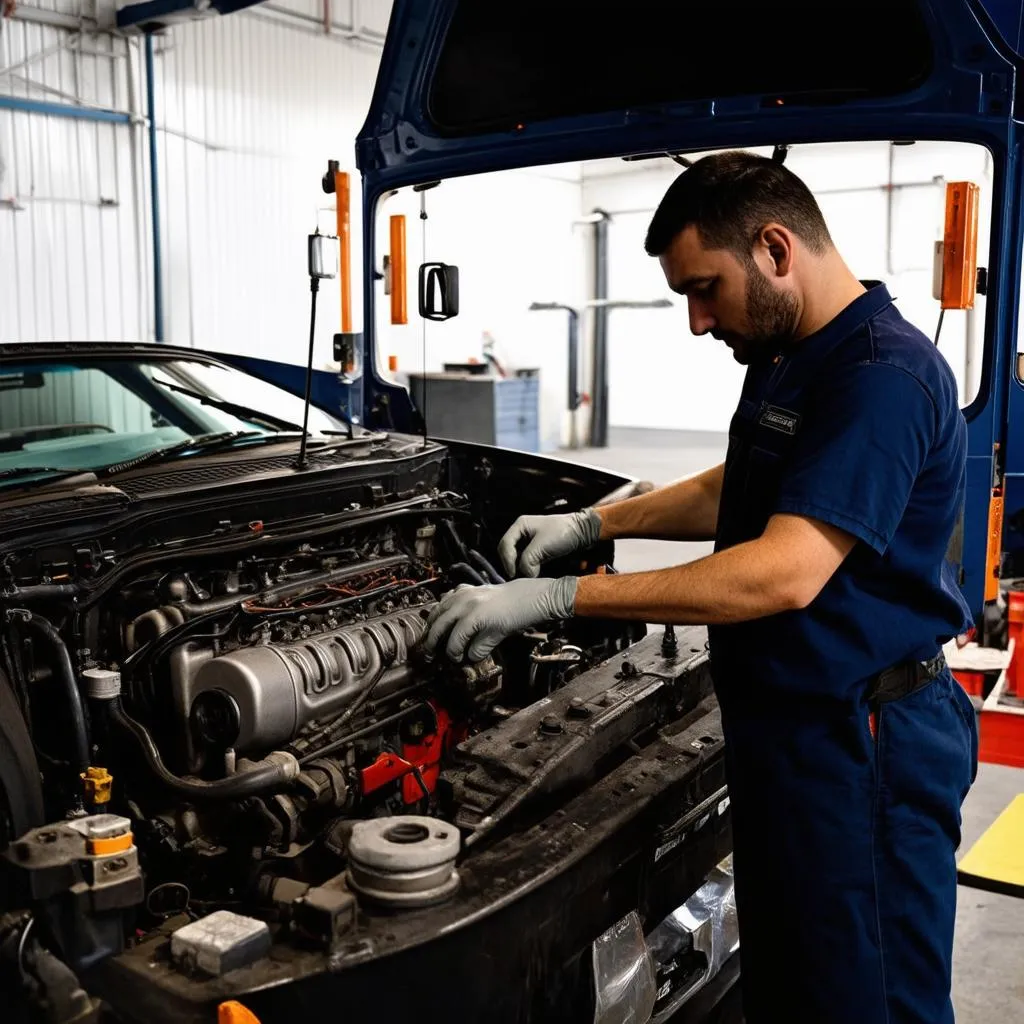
x=782 y=570
x=725 y=587
x=686 y=510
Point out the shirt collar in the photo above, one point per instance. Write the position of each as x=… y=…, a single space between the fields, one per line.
x=844 y=323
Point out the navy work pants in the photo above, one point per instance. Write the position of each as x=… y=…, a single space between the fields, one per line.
x=844 y=840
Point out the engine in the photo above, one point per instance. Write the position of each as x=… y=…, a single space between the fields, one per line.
x=247 y=709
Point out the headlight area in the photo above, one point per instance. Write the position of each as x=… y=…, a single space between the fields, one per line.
x=642 y=977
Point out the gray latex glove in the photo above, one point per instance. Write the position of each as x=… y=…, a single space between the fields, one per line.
x=547 y=537
x=477 y=619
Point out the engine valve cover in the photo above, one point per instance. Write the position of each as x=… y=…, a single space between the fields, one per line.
x=260 y=697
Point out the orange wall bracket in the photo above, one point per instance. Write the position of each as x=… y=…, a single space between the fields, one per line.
x=342 y=200
x=399 y=303
x=960 y=245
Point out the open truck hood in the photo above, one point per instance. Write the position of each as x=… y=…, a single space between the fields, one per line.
x=466 y=87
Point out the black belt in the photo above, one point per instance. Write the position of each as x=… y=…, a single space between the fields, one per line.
x=903 y=680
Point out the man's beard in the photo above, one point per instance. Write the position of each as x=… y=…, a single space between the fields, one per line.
x=772 y=317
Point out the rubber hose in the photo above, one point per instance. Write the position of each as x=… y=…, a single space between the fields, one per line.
x=485 y=567
x=40 y=591
x=65 y=672
x=453 y=536
x=246 y=782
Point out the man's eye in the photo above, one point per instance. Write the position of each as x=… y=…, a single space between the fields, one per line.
x=705 y=289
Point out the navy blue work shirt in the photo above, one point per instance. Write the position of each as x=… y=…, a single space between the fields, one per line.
x=857 y=425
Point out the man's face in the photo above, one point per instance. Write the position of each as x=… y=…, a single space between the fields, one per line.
x=737 y=303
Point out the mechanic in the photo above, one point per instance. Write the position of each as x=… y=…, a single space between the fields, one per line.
x=849 y=746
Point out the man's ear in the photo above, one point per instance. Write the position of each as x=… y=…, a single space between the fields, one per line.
x=777 y=242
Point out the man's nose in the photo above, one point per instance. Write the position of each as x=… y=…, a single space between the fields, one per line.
x=701 y=321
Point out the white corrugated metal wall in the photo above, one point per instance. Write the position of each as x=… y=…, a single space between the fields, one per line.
x=248 y=107
x=68 y=229
x=251 y=110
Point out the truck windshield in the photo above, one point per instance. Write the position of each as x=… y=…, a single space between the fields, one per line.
x=90 y=413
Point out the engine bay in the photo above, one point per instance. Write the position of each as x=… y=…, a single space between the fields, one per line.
x=242 y=713
x=227 y=763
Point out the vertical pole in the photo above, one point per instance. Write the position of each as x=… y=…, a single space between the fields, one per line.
x=599 y=391
x=574 y=376
x=890 y=192
x=970 y=346
x=154 y=195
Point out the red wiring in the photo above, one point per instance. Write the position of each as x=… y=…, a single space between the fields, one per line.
x=356 y=588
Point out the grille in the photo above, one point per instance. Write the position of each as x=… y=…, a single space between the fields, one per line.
x=194 y=476
x=188 y=476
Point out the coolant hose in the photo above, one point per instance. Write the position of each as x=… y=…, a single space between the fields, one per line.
x=485 y=567
x=65 y=672
x=274 y=770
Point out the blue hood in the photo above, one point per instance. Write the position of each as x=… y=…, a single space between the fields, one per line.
x=468 y=86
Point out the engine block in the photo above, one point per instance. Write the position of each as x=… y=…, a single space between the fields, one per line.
x=259 y=697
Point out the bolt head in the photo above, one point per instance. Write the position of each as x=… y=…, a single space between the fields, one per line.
x=578 y=708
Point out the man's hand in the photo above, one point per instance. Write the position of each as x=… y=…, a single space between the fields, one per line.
x=477 y=619
x=547 y=537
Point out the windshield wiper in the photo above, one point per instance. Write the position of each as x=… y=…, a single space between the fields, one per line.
x=50 y=472
x=204 y=444
x=333 y=440
x=232 y=408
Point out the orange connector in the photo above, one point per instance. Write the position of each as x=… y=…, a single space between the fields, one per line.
x=97 y=784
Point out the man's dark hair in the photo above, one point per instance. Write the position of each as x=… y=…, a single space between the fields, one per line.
x=729 y=197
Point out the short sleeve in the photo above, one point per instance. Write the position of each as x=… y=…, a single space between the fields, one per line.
x=864 y=439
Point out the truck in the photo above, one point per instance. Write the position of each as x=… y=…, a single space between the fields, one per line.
x=231 y=786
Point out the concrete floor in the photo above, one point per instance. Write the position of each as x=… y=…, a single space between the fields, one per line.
x=988 y=983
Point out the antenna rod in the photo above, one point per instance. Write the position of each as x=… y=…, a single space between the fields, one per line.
x=426 y=385
x=322 y=258
x=314 y=287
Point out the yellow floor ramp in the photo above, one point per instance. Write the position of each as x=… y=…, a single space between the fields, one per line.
x=996 y=861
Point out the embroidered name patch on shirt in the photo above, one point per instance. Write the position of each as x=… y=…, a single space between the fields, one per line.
x=779 y=419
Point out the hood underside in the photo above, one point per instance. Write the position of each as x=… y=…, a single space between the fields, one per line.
x=466 y=87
